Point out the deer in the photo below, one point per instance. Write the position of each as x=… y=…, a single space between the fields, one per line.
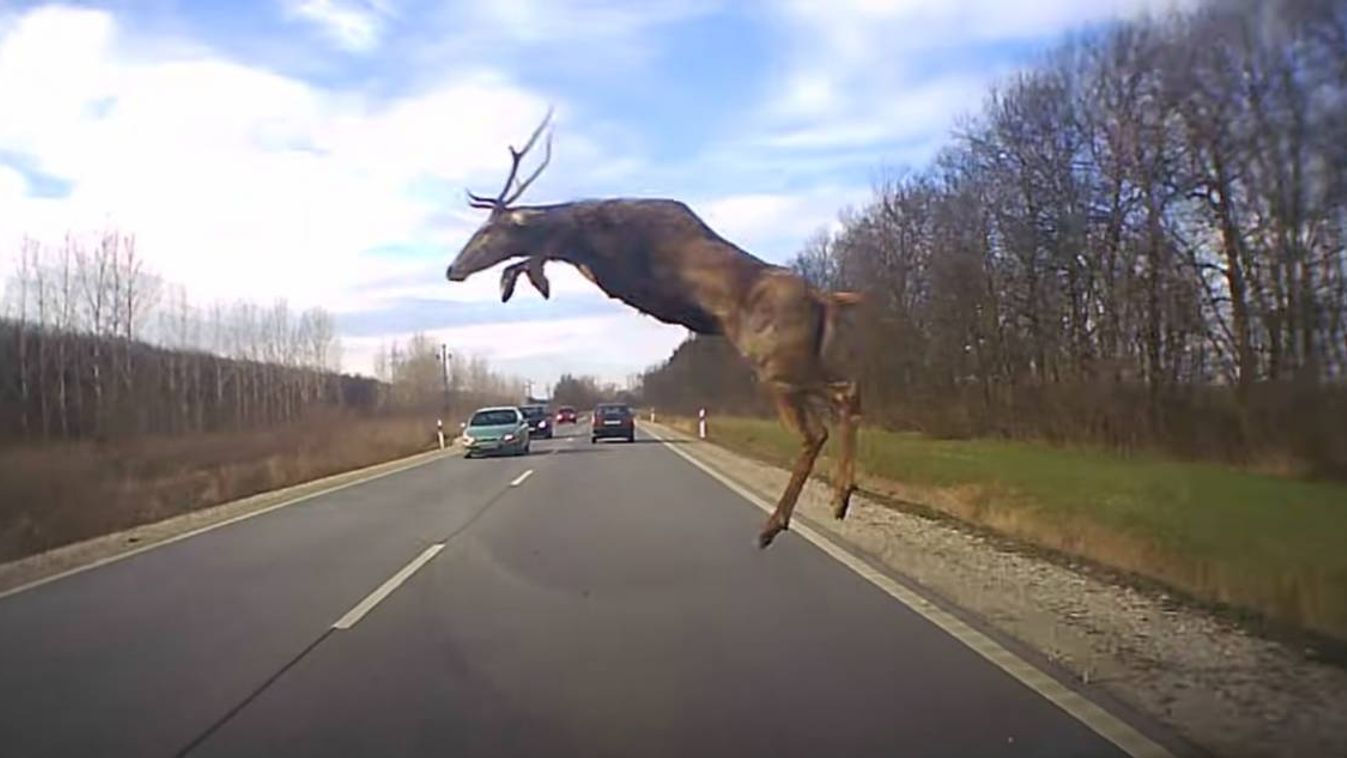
x=657 y=256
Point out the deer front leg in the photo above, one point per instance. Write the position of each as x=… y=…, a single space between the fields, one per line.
x=509 y=276
x=534 y=268
x=797 y=416
x=846 y=399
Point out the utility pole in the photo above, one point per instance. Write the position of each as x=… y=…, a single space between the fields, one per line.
x=444 y=367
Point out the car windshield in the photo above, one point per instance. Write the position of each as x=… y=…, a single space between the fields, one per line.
x=494 y=418
x=532 y=412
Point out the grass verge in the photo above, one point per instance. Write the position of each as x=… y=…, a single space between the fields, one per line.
x=1275 y=546
x=57 y=494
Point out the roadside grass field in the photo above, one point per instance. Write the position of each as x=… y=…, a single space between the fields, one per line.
x=63 y=492
x=1273 y=545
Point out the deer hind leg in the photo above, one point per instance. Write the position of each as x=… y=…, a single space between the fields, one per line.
x=796 y=414
x=847 y=402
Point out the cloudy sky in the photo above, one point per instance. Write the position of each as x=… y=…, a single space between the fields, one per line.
x=317 y=150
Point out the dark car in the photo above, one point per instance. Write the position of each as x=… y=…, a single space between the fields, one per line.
x=566 y=415
x=539 y=420
x=612 y=420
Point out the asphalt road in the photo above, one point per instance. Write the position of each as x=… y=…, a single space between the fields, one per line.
x=609 y=603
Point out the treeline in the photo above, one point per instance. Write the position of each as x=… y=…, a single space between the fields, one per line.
x=704 y=372
x=1141 y=242
x=94 y=346
x=584 y=392
x=418 y=374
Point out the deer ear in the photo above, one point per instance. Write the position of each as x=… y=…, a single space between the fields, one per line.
x=522 y=216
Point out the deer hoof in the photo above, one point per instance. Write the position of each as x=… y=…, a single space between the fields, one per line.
x=769 y=532
x=843 y=503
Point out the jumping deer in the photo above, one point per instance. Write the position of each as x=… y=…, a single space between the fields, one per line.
x=659 y=257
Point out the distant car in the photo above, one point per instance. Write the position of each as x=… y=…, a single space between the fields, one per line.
x=612 y=420
x=539 y=420
x=496 y=430
x=566 y=415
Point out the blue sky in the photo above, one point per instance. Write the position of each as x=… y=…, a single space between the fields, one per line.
x=317 y=150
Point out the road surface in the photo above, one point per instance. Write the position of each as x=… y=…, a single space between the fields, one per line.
x=586 y=600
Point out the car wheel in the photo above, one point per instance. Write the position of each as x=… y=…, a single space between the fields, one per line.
x=593 y=440
x=631 y=438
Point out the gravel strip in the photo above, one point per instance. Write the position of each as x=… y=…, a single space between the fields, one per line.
x=1224 y=689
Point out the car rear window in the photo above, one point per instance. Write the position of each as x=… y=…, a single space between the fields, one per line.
x=614 y=411
x=493 y=418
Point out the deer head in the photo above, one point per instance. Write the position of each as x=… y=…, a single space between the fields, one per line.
x=507 y=232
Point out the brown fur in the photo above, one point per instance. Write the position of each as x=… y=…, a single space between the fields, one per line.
x=659 y=257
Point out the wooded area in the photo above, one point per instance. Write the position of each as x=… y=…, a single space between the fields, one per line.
x=584 y=392
x=93 y=346
x=1141 y=242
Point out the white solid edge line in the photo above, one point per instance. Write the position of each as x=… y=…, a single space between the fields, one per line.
x=1108 y=726
x=434 y=456
x=354 y=615
x=520 y=479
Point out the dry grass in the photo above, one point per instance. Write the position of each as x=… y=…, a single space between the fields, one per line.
x=56 y=494
x=1267 y=544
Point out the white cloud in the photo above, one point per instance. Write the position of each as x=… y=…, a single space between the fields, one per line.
x=774 y=226
x=236 y=181
x=569 y=22
x=574 y=19
x=879 y=72
x=49 y=72
x=851 y=30
x=911 y=113
x=354 y=25
x=13 y=186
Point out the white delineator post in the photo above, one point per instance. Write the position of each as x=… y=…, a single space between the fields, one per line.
x=439 y=431
x=701 y=423
x=652 y=415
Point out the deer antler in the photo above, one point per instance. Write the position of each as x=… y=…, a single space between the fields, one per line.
x=506 y=197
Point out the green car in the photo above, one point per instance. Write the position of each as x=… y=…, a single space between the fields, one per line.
x=497 y=430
